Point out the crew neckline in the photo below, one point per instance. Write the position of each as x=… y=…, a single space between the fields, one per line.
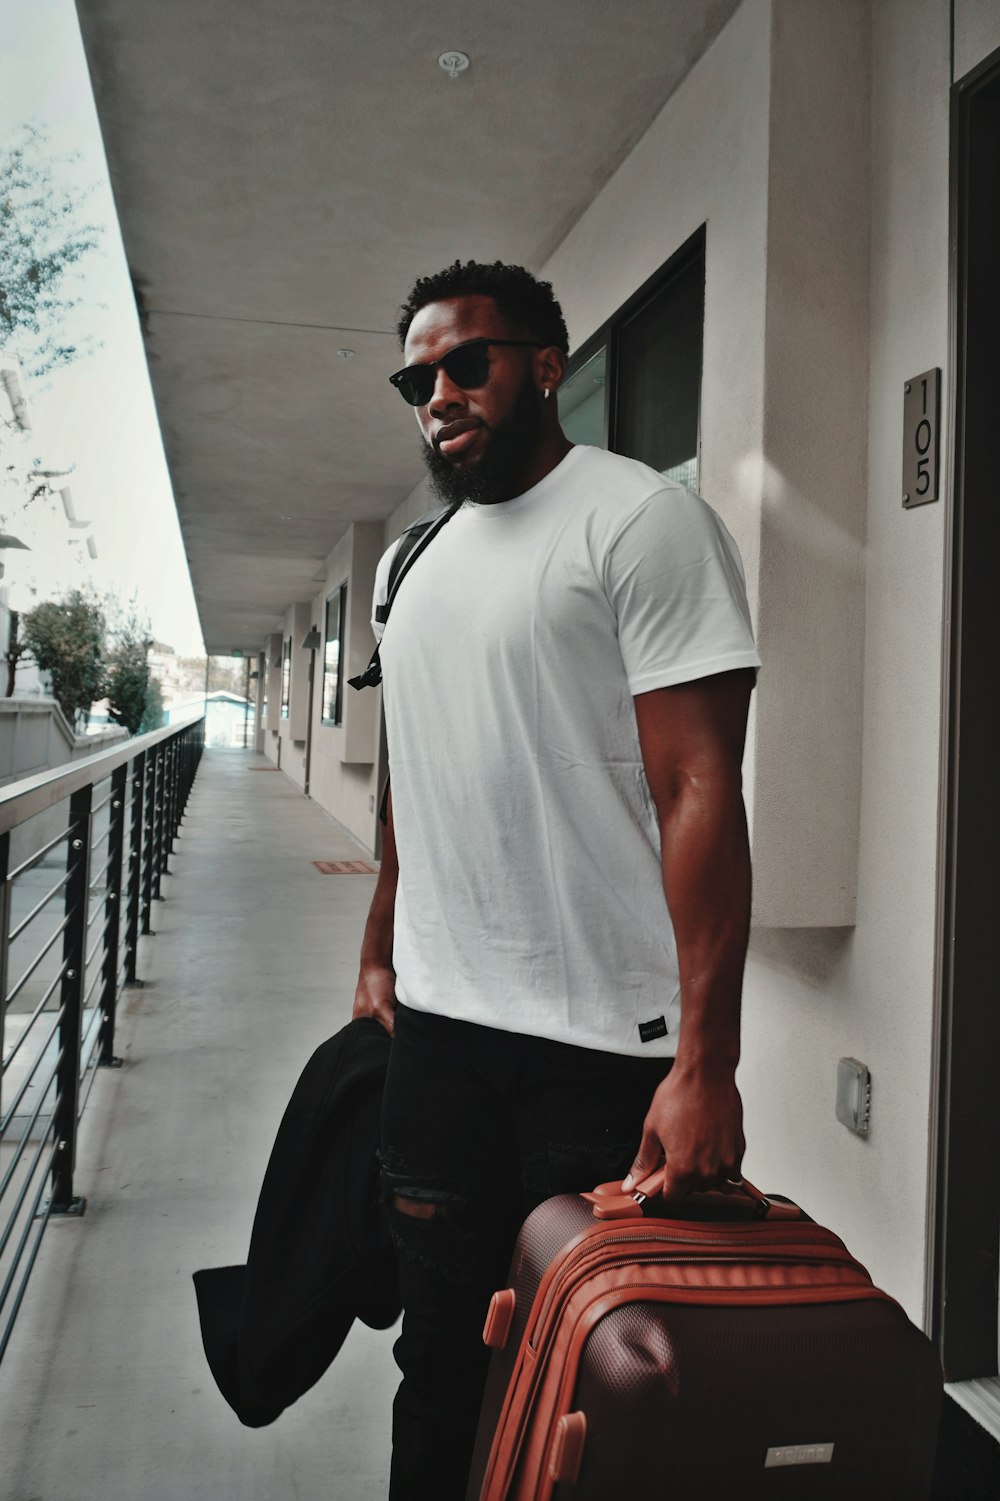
x=528 y=497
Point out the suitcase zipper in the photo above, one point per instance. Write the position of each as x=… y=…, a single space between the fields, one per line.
x=595 y=1247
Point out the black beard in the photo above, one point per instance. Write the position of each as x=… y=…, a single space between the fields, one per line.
x=496 y=476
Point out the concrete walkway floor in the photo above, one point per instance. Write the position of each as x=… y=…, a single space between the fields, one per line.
x=105 y=1394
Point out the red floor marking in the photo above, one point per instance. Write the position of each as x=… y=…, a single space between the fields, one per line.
x=344 y=868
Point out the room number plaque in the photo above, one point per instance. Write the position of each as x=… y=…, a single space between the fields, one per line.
x=921 y=427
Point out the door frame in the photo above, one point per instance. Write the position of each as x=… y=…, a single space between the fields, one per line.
x=964 y=1219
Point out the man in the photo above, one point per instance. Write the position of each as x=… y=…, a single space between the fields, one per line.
x=567 y=671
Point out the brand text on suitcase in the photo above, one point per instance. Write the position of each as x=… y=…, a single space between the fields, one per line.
x=799 y=1454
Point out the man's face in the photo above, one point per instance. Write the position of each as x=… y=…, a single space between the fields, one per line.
x=478 y=443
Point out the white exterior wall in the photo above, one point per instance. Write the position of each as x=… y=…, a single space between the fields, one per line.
x=343 y=771
x=751 y=144
x=977 y=33
x=290 y=733
x=704 y=160
x=272 y=668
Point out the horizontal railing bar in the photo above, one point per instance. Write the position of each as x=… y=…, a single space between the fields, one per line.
x=101 y=874
x=90 y=987
x=31 y=1218
x=38 y=855
x=5 y=1337
x=26 y=1083
x=16 y=932
x=34 y=1017
x=21 y=800
x=93 y=1069
x=88 y=1043
x=63 y=1088
x=19 y=1151
x=11 y=994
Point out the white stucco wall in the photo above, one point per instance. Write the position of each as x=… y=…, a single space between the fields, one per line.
x=977 y=33
x=736 y=147
x=813 y=997
x=343 y=770
x=291 y=732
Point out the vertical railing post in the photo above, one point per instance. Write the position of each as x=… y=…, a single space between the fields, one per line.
x=157 y=812
x=182 y=778
x=67 y=1108
x=112 y=918
x=4 y=938
x=134 y=870
x=164 y=807
x=182 y=781
x=185 y=755
x=174 y=796
x=168 y=804
x=148 y=838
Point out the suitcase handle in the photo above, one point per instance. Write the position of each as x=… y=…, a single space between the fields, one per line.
x=609 y=1203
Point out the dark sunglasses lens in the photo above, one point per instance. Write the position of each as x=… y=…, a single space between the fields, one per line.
x=468 y=366
x=416 y=384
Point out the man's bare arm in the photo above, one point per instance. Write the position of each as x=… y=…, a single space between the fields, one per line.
x=692 y=738
x=376 y=991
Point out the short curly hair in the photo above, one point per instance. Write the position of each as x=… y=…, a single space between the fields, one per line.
x=522 y=298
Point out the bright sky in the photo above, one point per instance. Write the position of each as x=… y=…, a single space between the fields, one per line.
x=96 y=414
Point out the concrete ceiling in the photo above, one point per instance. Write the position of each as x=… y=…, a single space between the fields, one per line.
x=283 y=173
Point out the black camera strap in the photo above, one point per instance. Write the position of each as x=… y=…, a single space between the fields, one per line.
x=411 y=545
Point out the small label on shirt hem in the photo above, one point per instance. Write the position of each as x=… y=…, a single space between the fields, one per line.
x=648 y=1031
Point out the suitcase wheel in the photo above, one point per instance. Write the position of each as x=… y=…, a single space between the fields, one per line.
x=567 y=1448
x=499 y=1318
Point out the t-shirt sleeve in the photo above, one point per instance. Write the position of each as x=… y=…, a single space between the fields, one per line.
x=381 y=591
x=675 y=580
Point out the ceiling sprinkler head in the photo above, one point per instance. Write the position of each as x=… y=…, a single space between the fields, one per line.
x=345 y=354
x=453 y=63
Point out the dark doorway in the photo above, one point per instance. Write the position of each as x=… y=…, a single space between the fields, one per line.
x=968 y=1198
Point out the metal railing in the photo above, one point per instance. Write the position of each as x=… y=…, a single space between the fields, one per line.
x=82 y=853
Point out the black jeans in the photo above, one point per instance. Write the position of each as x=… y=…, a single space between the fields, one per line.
x=479 y=1126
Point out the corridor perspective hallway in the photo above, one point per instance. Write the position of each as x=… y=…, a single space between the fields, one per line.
x=105 y=1394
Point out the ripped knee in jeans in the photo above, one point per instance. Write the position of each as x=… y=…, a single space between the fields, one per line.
x=419 y=1208
x=430 y=1220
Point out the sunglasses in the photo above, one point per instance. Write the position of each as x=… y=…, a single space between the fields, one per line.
x=466 y=366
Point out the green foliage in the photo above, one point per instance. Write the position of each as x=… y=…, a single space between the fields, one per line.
x=127 y=683
x=152 y=718
x=66 y=639
x=41 y=241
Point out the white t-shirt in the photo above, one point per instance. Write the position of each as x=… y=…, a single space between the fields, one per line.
x=530 y=894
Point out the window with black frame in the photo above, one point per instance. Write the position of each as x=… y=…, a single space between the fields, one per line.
x=333 y=656
x=286 y=677
x=635 y=387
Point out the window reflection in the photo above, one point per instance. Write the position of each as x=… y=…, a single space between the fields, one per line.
x=581 y=402
x=333 y=686
x=659 y=376
x=286 y=677
x=638 y=390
